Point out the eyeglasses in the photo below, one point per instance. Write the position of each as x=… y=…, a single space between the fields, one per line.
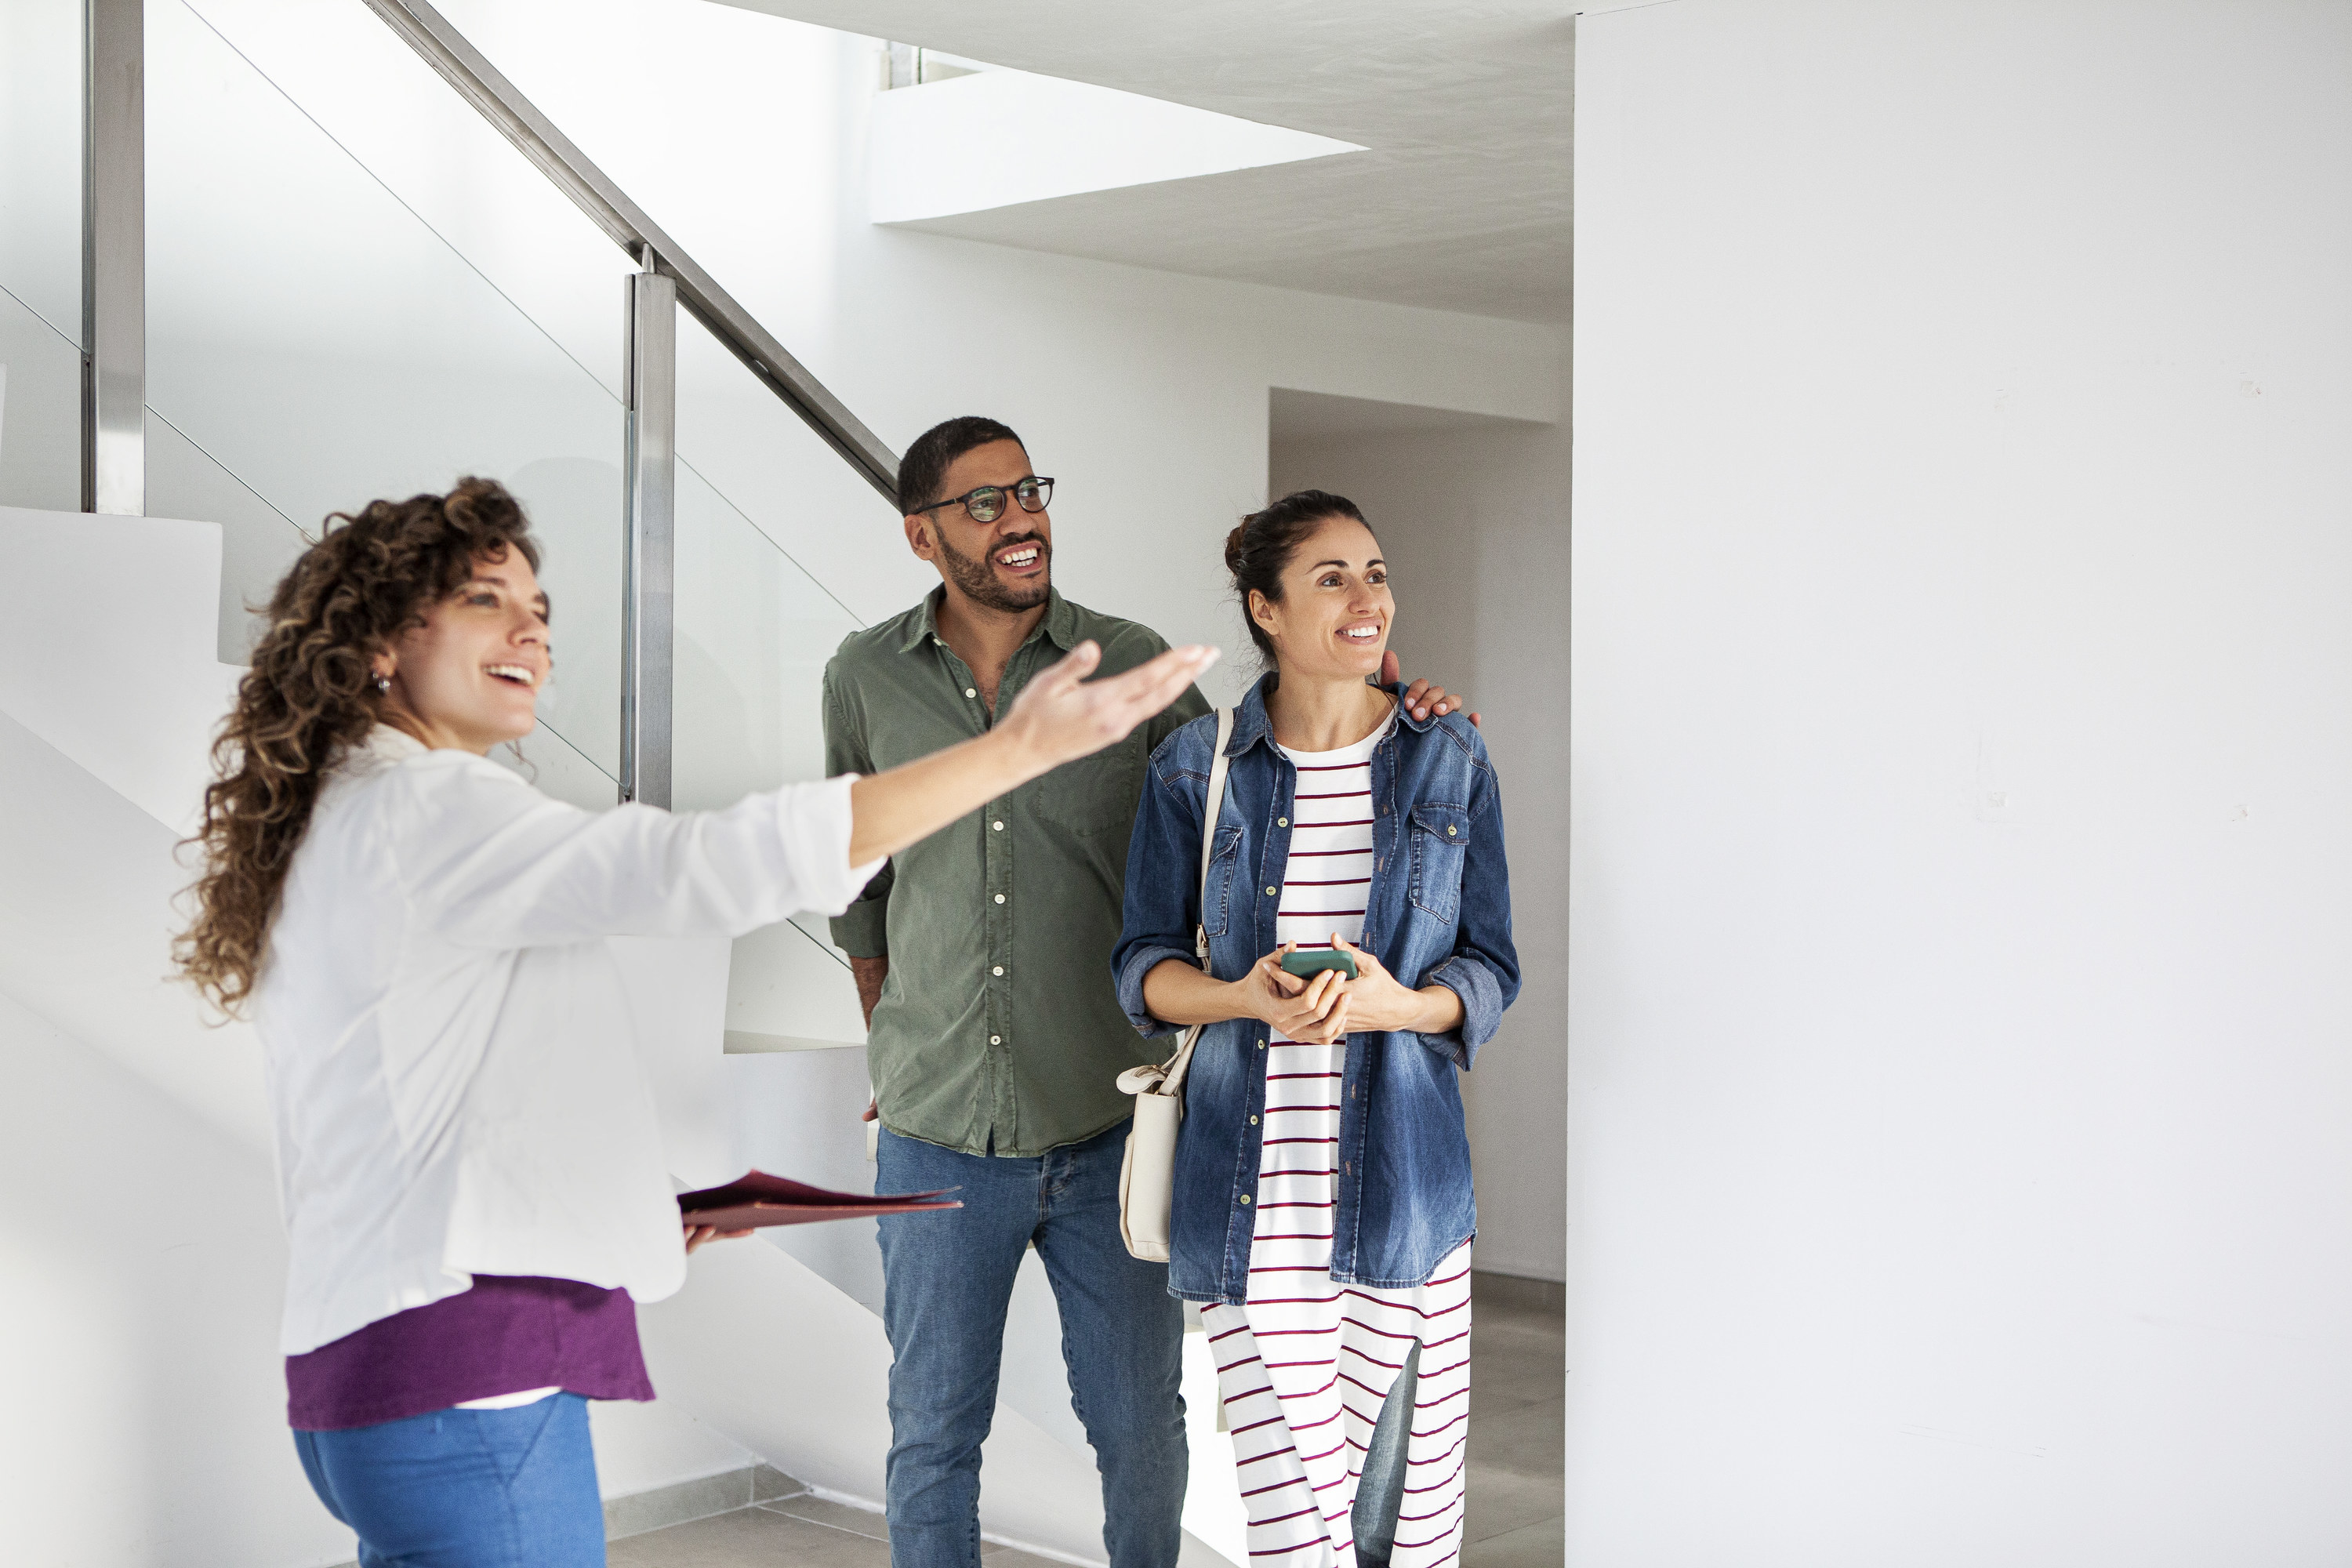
x=986 y=504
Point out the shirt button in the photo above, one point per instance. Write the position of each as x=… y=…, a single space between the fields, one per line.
x=1000 y=898
x=1269 y=893
x=967 y=691
x=998 y=970
x=1282 y=822
x=1245 y=1198
x=998 y=826
x=1252 y=1121
x=1449 y=833
x=996 y=1039
x=1261 y=1044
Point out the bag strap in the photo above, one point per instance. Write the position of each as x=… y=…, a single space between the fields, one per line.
x=1172 y=1074
x=1213 y=809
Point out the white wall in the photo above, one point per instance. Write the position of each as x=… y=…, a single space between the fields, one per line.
x=1963 y=728
x=147 y=1417
x=1474 y=524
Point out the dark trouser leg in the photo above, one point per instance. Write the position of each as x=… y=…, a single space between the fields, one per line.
x=1123 y=1341
x=1379 y=1494
x=947 y=1281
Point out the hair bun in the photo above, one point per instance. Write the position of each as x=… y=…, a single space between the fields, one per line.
x=1259 y=550
x=1234 y=542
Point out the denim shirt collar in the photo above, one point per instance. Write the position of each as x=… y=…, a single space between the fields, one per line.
x=1060 y=625
x=1251 y=725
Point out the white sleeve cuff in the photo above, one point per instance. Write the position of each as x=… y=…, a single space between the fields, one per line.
x=814 y=823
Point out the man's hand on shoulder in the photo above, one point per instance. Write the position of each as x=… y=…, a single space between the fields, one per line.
x=1422 y=700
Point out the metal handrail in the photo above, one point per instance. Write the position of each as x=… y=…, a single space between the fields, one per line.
x=608 y=206
x=114 y=259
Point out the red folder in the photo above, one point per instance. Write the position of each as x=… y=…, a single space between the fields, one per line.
x=758 y=1199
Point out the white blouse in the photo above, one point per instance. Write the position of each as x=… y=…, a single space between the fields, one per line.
x=451 y=1062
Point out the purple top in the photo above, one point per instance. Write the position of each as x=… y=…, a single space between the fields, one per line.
x=506 y=1335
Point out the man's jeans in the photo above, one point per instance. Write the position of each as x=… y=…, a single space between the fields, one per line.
x=947 y=1282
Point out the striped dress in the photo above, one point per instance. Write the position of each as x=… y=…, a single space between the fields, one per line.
x=1303 y=1365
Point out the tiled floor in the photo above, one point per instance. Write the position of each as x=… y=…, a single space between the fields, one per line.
x=790 y=1532
x=1517 y=1406
x=1518 y=1426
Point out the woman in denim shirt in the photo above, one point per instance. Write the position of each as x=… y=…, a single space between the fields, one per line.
x=1323 y=1207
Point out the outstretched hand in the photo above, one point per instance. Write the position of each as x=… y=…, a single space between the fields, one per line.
x=1059 y=717
x=1062 y=716
x=1421 y=699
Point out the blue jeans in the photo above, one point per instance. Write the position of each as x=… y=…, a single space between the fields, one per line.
x=947 y=1280
x=466 y=1489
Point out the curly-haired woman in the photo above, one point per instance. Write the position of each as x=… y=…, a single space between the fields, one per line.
x=468 y=1158
x=1323 y=1210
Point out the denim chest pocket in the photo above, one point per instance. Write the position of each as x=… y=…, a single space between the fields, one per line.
x=1217 y=897
x=1441 y=837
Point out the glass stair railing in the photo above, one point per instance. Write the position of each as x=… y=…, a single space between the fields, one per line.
x=356 y=288
x=307 y=353
x=40 y=253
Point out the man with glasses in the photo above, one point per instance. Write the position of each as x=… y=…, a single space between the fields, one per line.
x=982 y=958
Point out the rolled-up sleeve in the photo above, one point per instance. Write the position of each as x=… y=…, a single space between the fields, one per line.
x=862 y=927
x=1162 y=907
x=1483 y=967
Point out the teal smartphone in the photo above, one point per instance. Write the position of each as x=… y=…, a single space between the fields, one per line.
x=1315 y=961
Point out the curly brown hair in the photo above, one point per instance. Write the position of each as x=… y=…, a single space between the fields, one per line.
x=309 y=696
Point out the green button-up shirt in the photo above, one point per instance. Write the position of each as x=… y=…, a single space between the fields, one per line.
x=999 y=1027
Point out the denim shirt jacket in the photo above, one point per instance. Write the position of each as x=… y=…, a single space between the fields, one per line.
x=1438 y=911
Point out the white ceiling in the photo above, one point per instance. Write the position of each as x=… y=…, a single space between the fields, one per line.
x=1460 y=202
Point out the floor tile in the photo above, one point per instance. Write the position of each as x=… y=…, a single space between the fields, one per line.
x=749 y=1537
x=1502 y=1502
x=840 y=1516
x=1531 y=1441
x=667 y=1506
x=1535 y=1345
x=769 y=1483
x=1538 y=1546
x=1500 y=1382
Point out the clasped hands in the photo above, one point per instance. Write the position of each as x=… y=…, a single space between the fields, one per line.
x=1321 y=1008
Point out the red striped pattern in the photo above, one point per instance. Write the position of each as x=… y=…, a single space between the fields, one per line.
x=1305 y=1365
x=1331 y=835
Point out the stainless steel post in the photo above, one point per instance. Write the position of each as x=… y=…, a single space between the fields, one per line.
x=650 y=476
x=445 y=48
x=114 y=259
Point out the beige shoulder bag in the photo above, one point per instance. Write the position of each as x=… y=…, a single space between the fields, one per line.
x=1147 y=1177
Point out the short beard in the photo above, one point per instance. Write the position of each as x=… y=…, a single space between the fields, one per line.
x=977 y=576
